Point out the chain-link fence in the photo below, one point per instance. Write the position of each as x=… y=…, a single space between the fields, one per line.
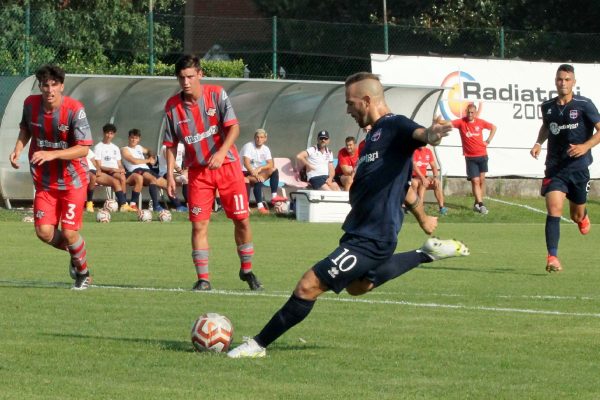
x=137 y=44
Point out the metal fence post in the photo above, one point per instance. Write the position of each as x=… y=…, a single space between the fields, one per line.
x=385 y=29
x=150 y=39
x=501 y=42
x=27 y=37
x=274 y=47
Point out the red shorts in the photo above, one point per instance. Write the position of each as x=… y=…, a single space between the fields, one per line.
x=228 y=180
x=64 y=206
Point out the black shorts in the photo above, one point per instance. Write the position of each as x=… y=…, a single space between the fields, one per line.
x=576 y=184
x=476 y=166
x=354 y=259
x=317 y=181
x=141 y=171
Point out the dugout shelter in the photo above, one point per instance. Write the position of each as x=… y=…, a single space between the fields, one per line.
x=292 y=112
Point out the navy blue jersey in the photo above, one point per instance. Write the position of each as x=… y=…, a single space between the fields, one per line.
x=572 y=123
x=382 y=175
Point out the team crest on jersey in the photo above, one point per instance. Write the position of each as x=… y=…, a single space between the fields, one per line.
x=39 y=214
x=196 y=210
x=63 y=128
x=81 y=114
x=554 y=128
x=573 y=114
x=376 y=135
x=211 y=112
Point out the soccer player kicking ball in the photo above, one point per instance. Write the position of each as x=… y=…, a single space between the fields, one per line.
x=365 y=257
x=60 y=142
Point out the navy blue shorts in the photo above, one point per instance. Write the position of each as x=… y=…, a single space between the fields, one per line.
x=317 y=181
x=576 y=184
x=355 y=257
x=476 y=166
x=141 y=171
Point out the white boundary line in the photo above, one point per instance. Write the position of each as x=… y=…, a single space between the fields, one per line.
x=328 y=298
x=537 y=210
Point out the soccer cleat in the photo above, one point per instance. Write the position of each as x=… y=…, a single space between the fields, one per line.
x=438 y=249
x=585 y=225
x=125 y=208
x=133 y=207
x=181 y=209
x=277 y=199
x=263 y=210
x=249 y=349
x=553 y=264
x=443 y=210
x=158 y=208
x=82 y=281
x=201 y=285
x=476 y=207
x=89 y=206
x=483 y=210
x=251 y=280
x=72 y=270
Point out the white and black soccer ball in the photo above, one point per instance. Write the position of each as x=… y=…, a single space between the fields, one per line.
x=282 y=207
x=111 y=205
x=165 y=216
x=212 y=332
x=145 y=215
x=103 y=216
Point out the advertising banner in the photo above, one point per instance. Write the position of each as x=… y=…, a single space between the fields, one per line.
x=507 y=93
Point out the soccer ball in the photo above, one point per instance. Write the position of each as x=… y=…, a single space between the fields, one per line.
x=212 y=332
x=144 y=216
x=103 y=216
x=111 y=205
x=164 y=216
x=282 y=207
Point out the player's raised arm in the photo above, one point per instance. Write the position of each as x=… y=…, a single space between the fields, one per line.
x=434 y=134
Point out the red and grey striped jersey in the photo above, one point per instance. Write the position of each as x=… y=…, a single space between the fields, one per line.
x=60 y=129
x=201 y=125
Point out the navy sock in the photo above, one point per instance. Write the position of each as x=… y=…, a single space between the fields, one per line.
x=135 y=197
x=397 y=265
x=121 y=198
x=552 y=234
x=258 y=191
x=292 y=313
x=153 y=191
x=274 y=181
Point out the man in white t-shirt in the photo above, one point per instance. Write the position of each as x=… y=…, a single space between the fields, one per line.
x=136 y=159
x=180 y=174
x=257 y=165
x=318 y=161
x=109 y=169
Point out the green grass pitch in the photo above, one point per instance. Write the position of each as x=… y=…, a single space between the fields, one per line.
x=493 y=325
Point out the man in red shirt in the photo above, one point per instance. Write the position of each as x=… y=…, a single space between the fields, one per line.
x=346 y=167
x=475 y=152
x=202 y=118
x=422 y=159
x=60 y=139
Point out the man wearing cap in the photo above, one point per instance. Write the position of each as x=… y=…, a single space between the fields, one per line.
x=318 y=161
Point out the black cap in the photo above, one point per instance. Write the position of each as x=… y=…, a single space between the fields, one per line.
x=323 y=134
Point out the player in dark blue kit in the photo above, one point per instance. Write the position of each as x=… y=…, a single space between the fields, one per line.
x=365 y=257
x=568 y=124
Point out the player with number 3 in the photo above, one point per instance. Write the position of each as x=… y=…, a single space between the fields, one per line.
x=60 y=138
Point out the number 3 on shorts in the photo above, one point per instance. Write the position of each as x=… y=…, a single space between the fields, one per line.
x=70 y=214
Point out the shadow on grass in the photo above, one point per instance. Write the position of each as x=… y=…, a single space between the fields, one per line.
x=34 y=284
x=169 y=345
x=507 y=270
